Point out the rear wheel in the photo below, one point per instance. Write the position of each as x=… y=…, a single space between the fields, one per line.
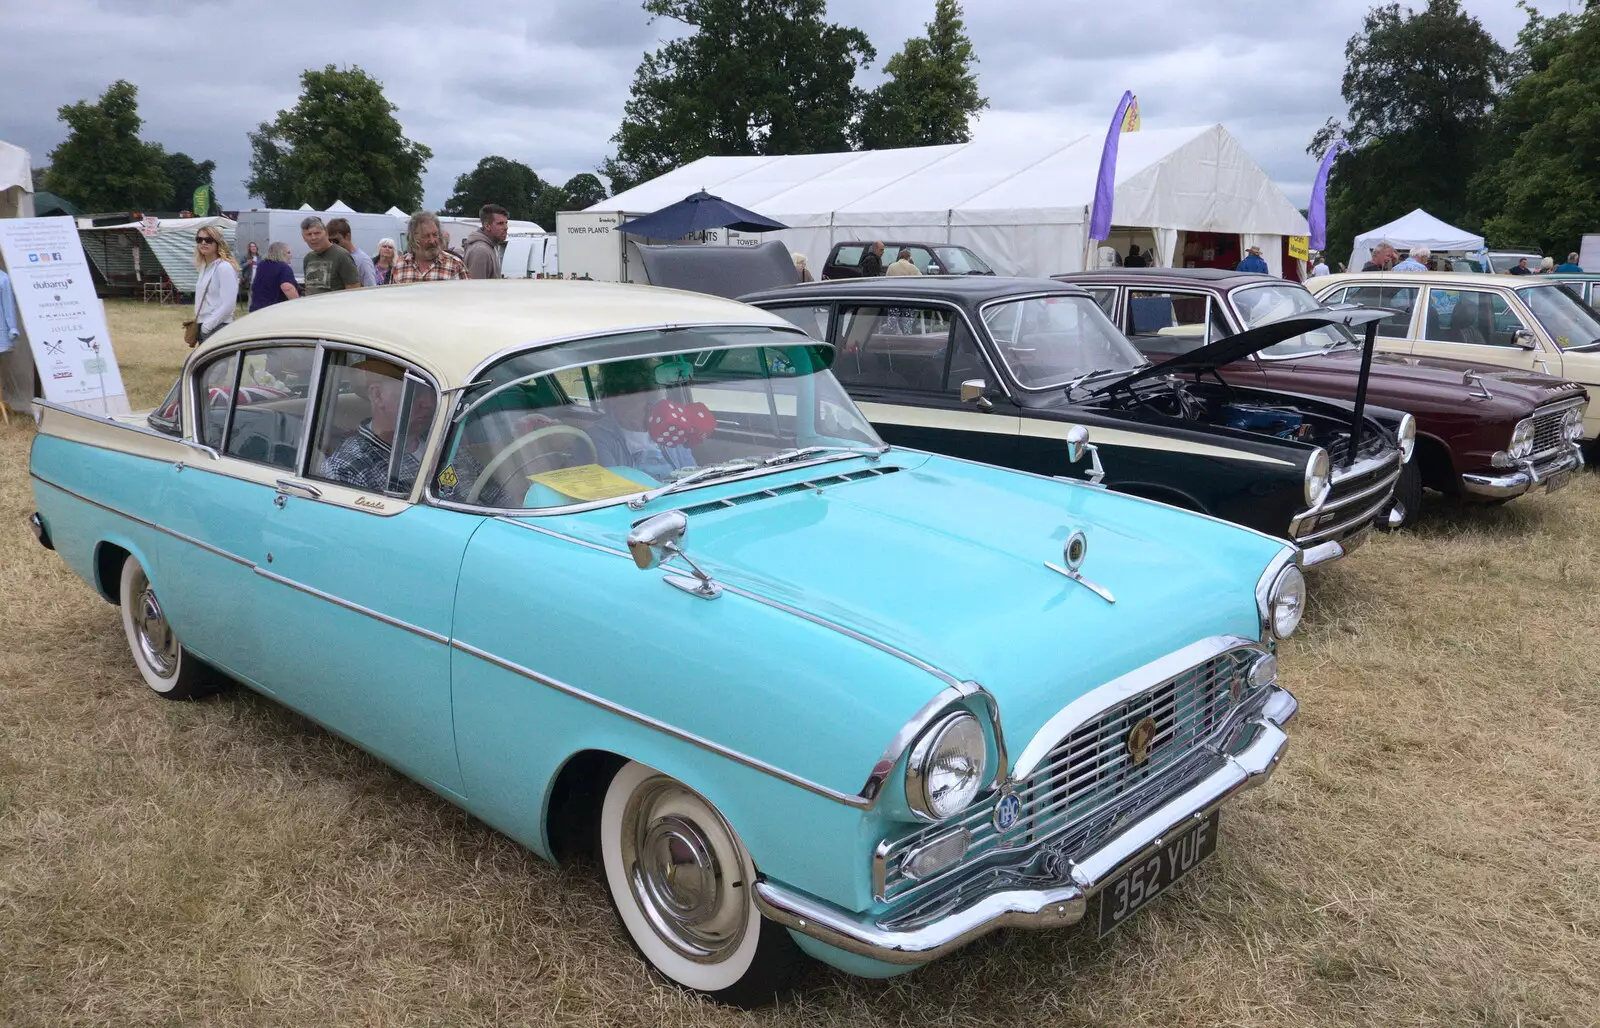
x=684 y=887
x=163 y=663
x=1407 y=495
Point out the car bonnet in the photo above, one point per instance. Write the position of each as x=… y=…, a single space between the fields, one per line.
x=945 y=560
x=1243 y=344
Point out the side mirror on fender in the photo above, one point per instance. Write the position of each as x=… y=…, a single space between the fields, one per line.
x=660 y=538
x=1078 y=444
x=973 y=391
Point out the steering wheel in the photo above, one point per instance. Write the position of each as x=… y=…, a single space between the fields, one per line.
x=535 y=440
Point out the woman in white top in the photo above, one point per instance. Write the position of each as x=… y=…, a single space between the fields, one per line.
x=216 y=295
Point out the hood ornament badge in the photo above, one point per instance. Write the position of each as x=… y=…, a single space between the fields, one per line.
x=1072 y=554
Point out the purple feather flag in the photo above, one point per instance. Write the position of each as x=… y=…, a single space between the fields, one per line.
x=1105 y=186
x=1317 y=213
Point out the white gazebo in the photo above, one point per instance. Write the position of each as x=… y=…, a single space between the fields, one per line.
x=1419 y=228
x=16 y=201
x=1023 y=204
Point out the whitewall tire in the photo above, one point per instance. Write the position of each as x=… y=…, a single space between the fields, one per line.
x=683 y=885
x=163 y=663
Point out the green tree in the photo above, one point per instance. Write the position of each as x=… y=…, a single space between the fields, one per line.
x=583 y=190
x=103 y=165
x=341 y=141
x=755 y=77
x=931 y=92
x=186 y=175
x=511 y=184
x=1542 y=183
x=552 y=200
x=1420 y=86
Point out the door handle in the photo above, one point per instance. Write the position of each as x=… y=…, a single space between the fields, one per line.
x=287 y=485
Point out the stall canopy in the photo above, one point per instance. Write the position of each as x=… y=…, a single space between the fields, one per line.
x=16 y=182
x=1419 y=228
x=125 y=259
x=1023 y=204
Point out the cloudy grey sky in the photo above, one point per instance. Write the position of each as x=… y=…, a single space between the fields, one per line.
x=544 y=81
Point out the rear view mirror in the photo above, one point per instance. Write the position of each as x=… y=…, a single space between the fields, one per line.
x=973 y=390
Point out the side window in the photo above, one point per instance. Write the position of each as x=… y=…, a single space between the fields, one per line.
x=168 y=417
x=1106 y=297
x=213 y=388
x=850 y=256
x=965 y=360
x=367 y=406
x=898 y=348
x=810 y=319
x=921 y=258
x=1399 y=298
x=1167 y=323
x=1471 y=316
x=269 y=405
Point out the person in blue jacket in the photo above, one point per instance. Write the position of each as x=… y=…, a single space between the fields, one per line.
x=1253 y=261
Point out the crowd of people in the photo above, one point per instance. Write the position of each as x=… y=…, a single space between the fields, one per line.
x=1419 y=258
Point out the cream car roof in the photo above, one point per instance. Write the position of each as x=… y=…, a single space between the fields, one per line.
x=449 y=328
x=1437 y=278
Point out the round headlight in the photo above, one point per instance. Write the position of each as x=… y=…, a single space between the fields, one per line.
x=945 y=770
x=1522 y=439
x=1573 y=424
x=1287 y=601
x=1317 y=470
x=1406 y=435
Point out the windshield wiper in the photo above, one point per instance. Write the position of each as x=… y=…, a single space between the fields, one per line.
x=727 y=467
x=1081 y=379
x=801 y=453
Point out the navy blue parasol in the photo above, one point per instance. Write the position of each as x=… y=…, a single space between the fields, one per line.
x=697 y=213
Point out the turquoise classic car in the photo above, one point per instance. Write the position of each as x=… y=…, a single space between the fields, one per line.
x=623 y=569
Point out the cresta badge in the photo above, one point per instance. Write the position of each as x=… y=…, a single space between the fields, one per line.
x=1140 y=740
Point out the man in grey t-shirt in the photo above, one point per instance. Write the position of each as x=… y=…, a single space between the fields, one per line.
x=327 y=267
x=339 y=232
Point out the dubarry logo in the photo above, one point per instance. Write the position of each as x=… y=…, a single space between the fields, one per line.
x=53 y=283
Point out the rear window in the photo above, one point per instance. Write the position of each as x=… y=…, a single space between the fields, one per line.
x=849 y=255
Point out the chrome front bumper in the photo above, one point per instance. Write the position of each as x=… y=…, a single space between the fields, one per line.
x=1056 y=904
x=1531 y=477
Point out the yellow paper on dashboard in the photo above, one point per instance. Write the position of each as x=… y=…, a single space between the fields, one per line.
x=587 y=482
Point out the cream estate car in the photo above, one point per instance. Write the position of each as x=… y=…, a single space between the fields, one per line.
x=1526 y=322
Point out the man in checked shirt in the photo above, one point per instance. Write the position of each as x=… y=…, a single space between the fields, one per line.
x=426 y=260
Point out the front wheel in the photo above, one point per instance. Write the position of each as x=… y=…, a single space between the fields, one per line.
x=163 y=663
x=684 y=887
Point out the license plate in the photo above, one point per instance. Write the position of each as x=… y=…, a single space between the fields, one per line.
x=1135 y=888
x=1556 y=481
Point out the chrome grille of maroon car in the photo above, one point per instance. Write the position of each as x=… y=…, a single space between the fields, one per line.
x=1082 y=792
x=1547 y=434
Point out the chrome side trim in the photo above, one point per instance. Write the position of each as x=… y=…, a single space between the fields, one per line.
x=147 y=524
x=734 y=755
x=337 y=601
x=140 y=429
x=1118 y=690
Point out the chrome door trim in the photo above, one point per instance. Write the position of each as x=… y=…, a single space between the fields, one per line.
x=755 y=763
x=147 y=524
x=338 y=601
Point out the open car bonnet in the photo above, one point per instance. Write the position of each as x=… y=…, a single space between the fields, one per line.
x=1232 y=348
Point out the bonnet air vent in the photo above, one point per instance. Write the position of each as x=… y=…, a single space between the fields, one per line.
x=782 y=490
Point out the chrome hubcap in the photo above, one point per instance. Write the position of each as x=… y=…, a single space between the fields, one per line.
x=157 y=644
x=683 y=870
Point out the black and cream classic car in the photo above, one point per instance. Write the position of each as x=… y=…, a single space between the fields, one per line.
x=1030 y=374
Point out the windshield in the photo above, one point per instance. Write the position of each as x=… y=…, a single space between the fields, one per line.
x=602 y=419
x=1263 y=305
x=957 y=261
x=1048 y=341
x=1573 y=324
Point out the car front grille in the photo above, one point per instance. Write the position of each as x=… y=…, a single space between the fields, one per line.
x=1088 y=786
x=1547 y=434
x=1358 y=494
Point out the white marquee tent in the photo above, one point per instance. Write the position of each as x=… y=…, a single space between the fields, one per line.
x=1419 y=228
x=1022 y=204
x=16 y=201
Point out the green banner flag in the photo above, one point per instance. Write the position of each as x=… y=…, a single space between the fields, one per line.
x=202 y=201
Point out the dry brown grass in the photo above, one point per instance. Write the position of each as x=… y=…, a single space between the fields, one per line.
x=1428 y=854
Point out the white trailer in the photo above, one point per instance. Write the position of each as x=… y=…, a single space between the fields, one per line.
x=591 y=246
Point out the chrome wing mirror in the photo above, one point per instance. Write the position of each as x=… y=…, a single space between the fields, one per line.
x=660 y=538
x=1524 y=339
x=1077 y=445
x=973 y=390
x=1470 y=377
